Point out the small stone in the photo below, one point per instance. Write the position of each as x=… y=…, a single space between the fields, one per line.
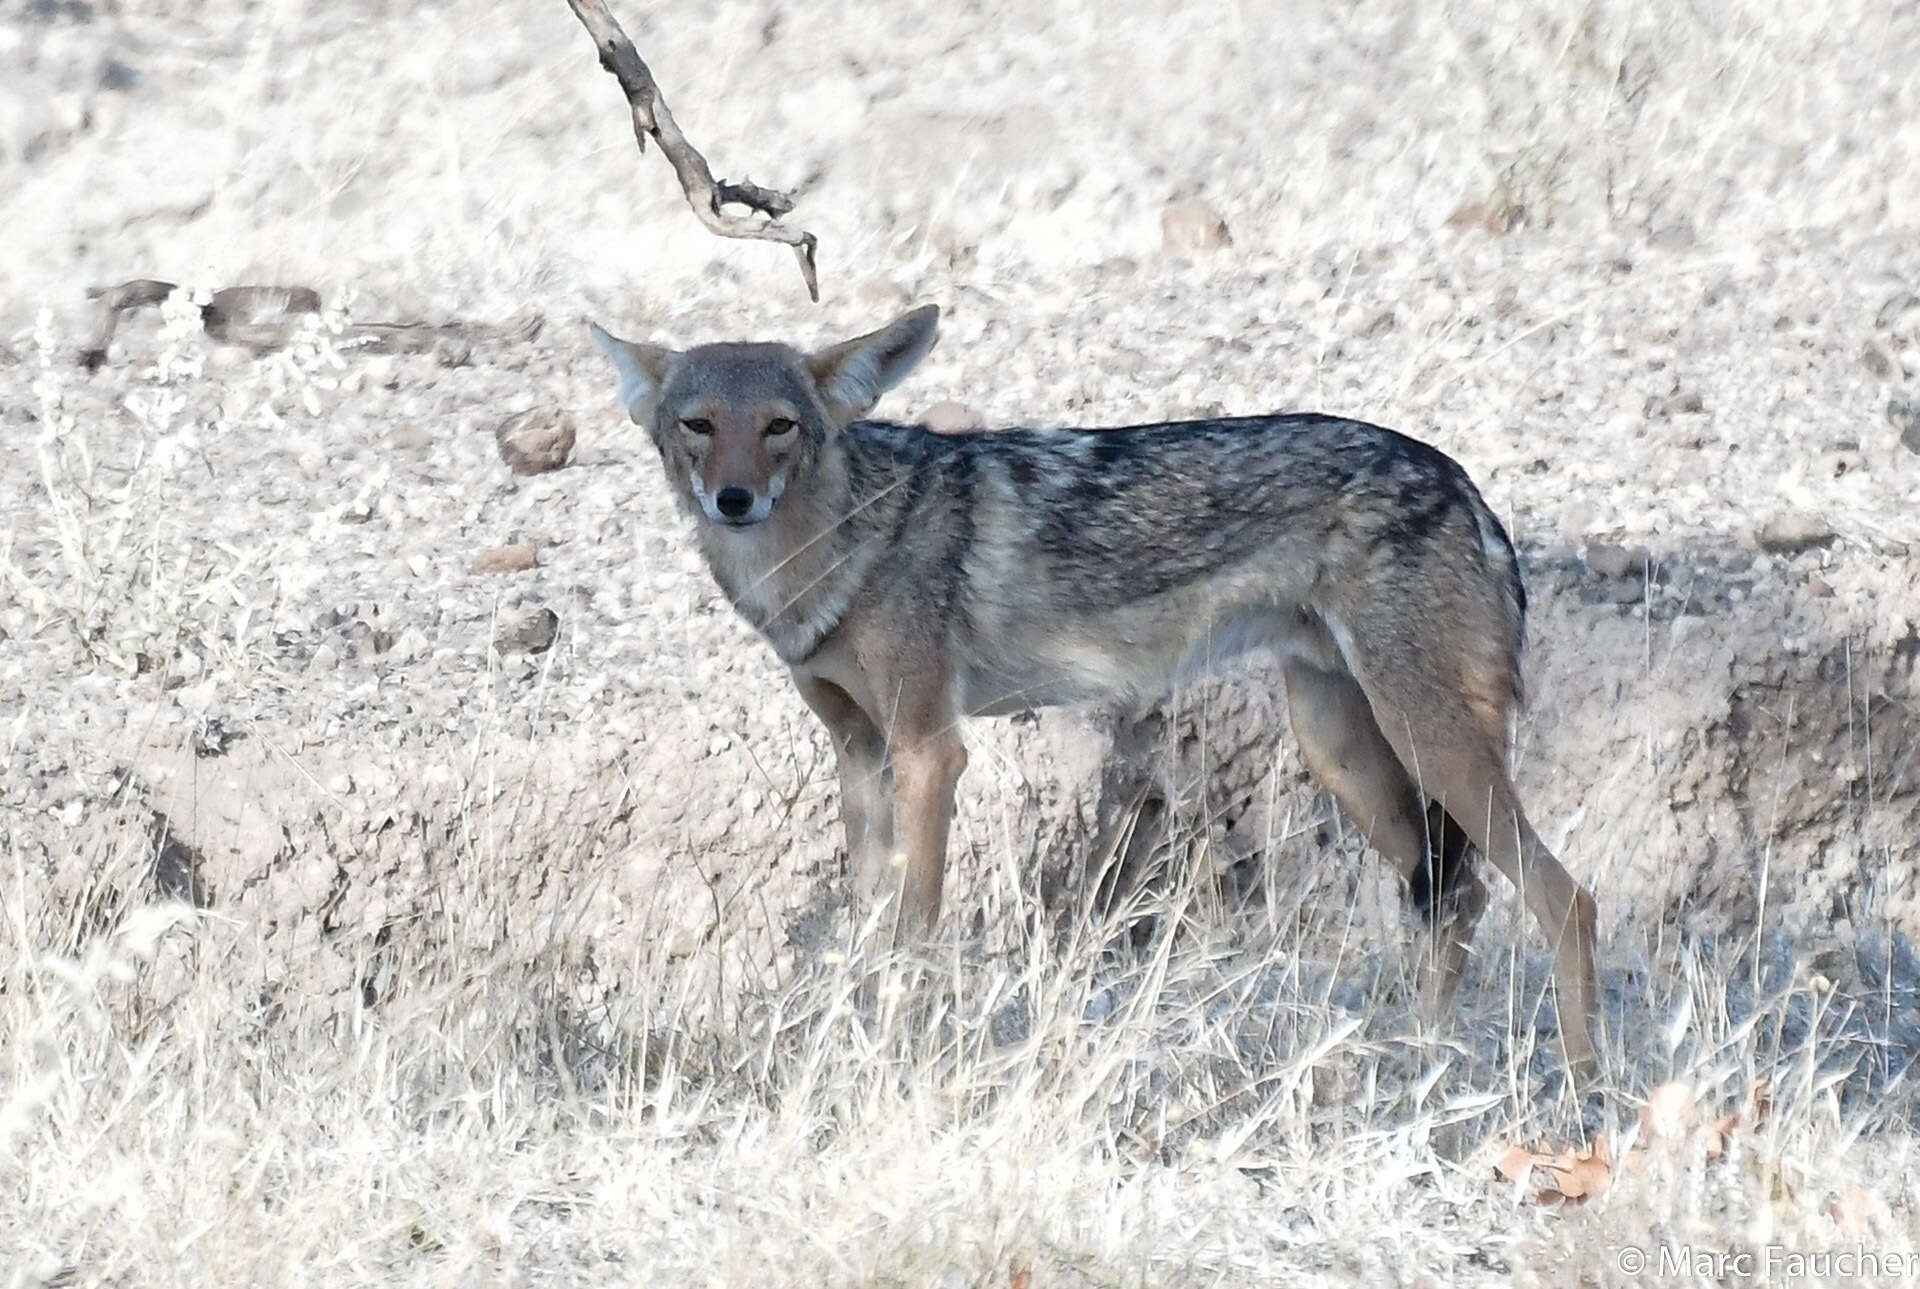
x=1675 y=237
x=1617 y=562
x=359 y=510
x=453 y=351
x=1381 y=323
x=412 y=644
x=1838 y=463
x=1875 y=360
x=517 y=557
x=1904 y=415
x=536 y=441
x=196 y=699
x=949 y=417
x=211 y=737
x=1679 y=401
x=410 y=436
x=1792 y=532
x=532 y=634
x=1896 y=305
x=364 y=640
x=1820 y=588
x=1191 y=226
x=324 y=659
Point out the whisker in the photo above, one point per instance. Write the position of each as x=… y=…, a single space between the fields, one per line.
x=834 y=527
x=824 y=575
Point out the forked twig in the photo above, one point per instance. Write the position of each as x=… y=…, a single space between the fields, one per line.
x=705 y=194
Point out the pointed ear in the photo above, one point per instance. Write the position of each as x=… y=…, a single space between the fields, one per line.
x=642 y=368
x=852 y=375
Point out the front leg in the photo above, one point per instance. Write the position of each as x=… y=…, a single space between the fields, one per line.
x=928 y=758
x=866 y=789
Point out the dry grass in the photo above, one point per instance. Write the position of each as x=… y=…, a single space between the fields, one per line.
x=1192 y=1088
x=1170 y=1116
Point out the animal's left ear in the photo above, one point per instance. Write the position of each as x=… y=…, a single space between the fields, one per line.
x=852 y=375
x=642 y=368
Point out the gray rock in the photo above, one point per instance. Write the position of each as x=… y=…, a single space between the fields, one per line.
x=1192 y=227
x=949 y=417
x=1875 y=360
x=1616 y=562
x=1794 y=531
x=1904 y=415
x=532 y=634
x=1896 y=305
x=412 y=644
x=364 y=640
x=536 y=441
x=516 y=557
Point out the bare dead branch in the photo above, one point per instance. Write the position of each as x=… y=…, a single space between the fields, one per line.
x=651 y=117
x=266 y=318
x=114 y=301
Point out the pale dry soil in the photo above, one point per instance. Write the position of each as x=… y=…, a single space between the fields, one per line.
x=338 y=946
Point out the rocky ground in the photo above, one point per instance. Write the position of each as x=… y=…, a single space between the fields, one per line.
x=283 y=637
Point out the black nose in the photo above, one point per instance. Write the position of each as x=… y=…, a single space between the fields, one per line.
x=734 y=503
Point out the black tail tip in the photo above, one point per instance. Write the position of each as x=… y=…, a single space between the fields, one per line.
x=1448 y=866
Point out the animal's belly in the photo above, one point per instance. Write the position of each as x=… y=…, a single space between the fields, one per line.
x=995 y=693
x=1125 y=660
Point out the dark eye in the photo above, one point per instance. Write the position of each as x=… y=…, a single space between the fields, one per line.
x=780 y=425
x=697 y=425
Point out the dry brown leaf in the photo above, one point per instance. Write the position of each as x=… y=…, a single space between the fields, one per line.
x=1571 y=1173
x=1668 y=1112
x=1579 y=1174
x=1514 y=1163
x=1670 y=1118
x=1019 y=1276
x=1856 y=1210
x=1712 y=1137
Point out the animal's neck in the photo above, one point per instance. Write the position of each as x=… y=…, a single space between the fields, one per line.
x=793 y=576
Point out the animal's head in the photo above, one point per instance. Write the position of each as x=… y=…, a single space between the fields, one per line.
x=737 y=423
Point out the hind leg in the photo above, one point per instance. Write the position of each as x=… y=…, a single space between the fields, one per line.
x=1343 y=746
x=1451 y=895
x=1451 y=730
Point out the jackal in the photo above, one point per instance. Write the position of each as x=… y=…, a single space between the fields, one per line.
x=908 y=579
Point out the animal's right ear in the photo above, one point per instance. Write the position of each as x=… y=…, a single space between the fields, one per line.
x=642 y=368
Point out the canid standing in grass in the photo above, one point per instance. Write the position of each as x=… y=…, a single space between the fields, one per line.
x=908 y=579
